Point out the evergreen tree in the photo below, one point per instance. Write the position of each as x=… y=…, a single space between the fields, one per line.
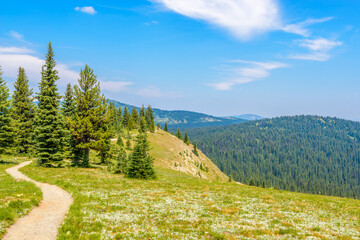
x=6 y=123
x=50 y=131
x=141 y=163
x=128 y=144
x=118 y=120
x=142 y=128
x=23 y=113
x=178 y=134
x=142 y=111
x=122 y=161
x=68 y=104
x=149 y=117
x=195 y=151
x=126 y=117
x=159 y=125
x=119 y=141
x=186 y=139
x=91 y=124
x=166 y=127
x=134 y=119
x=68 y=111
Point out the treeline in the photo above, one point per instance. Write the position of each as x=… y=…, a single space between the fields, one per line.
x=64 y=132
x=307 y=154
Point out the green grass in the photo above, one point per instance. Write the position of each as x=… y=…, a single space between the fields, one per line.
x=16 y=198
x=177 y=206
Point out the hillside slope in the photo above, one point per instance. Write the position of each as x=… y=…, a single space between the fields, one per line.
x=171 y=152
x=304 y=153
x=185 y=119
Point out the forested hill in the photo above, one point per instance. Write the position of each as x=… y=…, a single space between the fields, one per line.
x=186 y=119
x=310 y=154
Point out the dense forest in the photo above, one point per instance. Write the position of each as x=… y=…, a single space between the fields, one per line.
x=310 y=154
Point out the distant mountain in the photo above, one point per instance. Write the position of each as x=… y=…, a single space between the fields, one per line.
x=309 y=154
x=186 y=119
x=249 y=117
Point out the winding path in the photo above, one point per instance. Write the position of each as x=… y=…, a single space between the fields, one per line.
x=42 y=222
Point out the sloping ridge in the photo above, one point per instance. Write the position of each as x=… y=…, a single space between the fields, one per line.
x=171 y=152
x=42 y=222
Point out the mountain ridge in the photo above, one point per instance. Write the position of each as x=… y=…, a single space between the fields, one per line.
x=185 y=119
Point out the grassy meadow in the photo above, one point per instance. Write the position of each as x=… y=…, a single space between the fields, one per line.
x=179 y=206
x=16 y=197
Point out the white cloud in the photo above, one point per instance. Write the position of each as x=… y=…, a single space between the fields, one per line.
x=243 y=18
x=300 y=28
x=241 y=75
x=10 y=61
x=320 y=44
x=16 y=35
x=88 y=10
x=15 y=50
x=319 y=49
x=114 y=87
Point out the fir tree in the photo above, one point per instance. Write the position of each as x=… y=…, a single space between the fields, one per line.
x=126 y=117
x=159 y=125
x=134 y=119
x=186 y=139
x=195 y=151
x=50 y=131
x=91 y=124
x=178 y=134
x=6 y=123
x=149 y=117
x=118 y=120
x=68 y=104
x=122 y=161
x=141 y=163
x=166 y=127
x=142 y=111
x=119 y=141
x=142 y=128
x=23 y=113
x=128 y=144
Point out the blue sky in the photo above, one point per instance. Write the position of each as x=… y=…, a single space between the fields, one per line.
x=221 y=57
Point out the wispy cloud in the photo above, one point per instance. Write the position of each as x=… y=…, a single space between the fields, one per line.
x=16 y=35
x=88 y=10
x=151 y=23
x=16 y=50
x=243 y=18
x=115 y=87
x=319 y=49
x=245 y=74
x=301 y=28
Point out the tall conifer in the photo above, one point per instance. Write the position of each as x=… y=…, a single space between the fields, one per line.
x=23 y=112
x=186 y=139
x=50 y=129
x=6 y=123
x=126 y=117
x=166 y=127
x=91 y=119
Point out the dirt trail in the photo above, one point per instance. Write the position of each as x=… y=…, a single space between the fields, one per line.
x=42 y=222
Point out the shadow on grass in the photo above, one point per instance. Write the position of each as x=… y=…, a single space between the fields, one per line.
x=6 y=162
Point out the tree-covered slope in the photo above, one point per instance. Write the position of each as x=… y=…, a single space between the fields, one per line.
x=186 y=119
x=304 y=153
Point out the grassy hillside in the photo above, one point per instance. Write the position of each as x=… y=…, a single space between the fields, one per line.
x=304 y=153
x=16 y=198
x=179 y=206
x=186 y=119
x=172 y=153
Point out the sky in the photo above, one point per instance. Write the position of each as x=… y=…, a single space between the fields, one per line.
x=220 y=57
